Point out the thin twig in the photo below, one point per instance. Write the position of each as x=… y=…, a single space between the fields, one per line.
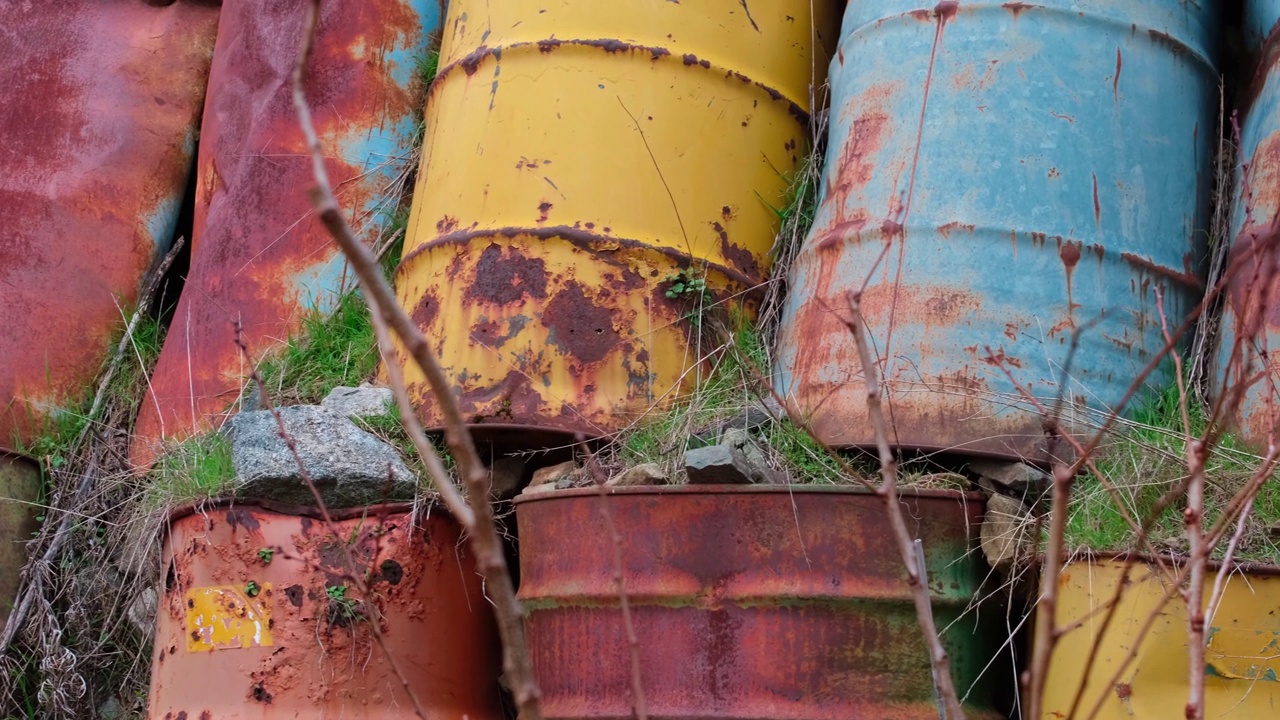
x=619 y=580
x=889 y=493
x=485 y=540
x=453 y=500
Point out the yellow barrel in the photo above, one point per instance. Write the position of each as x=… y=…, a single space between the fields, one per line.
x=1241 y=661
x=581 y=159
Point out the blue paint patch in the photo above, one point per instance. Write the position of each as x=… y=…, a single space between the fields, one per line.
x=320 y=286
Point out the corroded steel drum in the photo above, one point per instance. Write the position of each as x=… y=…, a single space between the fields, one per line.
x=1150 y=664
x=752 y=603
x=1248 y=353
x=261 y=258
x=259 y=618
x=583 y=158
x=101 y=101
x=1002 y=178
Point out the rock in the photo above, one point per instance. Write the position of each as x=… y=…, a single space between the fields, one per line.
x=644 y=474
x=1006 y=533
x=1020 y=480
x=563 y=483
x=756 y=460
x=716 y=465
x=349 y=466
x=553 y=473
x=505 y=475
x=142 y=612
x=363 y=401
x=753 y=417
x=111 y=710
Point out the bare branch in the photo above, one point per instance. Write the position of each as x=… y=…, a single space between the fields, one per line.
x=485 y=541
x=906 y=544
x=619 y=580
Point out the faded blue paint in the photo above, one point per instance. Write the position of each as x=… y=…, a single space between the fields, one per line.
x=1035 y=168
x=1260 y=18
x=1253 y=217
x=320 y=286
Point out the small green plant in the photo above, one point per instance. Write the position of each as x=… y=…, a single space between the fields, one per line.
x=332 y=349
x=686 y=283
x=252 y=589
x=195 y=469
x=343 y=610
x=265 y=555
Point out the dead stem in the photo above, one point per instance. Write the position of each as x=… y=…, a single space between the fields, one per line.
x=619 y=580
x=906 y=545
x=484 y=538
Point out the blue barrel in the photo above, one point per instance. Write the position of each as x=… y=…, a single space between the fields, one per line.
x=1249 y=330
x=1000 y=175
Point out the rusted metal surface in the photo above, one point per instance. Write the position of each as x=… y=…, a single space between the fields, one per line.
x=1001 y=176
x=1251 y=312
x=750 y=603
x=239 y=635
x=260 y=255
x=1241 y=661
x=19 y=495
x=102 y=100
x=578 y=155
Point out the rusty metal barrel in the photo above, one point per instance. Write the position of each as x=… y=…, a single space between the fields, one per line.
x=102 y=101
x=1140 y=668
x=751 y=603
x=258 y=617
x=1008 y=181
x=260 y=256
x=583 y=162
x=1249 y=329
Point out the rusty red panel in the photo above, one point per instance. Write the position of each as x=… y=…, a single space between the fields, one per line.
x=750 y=603
x=99 y=123
x=258 y=618
x=260 y=256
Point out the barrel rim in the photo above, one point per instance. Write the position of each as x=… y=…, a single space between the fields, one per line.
x=1095 y=557
x=282 y=508
x=764 y=490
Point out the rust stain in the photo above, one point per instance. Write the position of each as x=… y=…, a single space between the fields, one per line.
x=268 y=644
x=579 y=326
x=259 y=255
x=98 y=145
x=1097 y=206
x=773 y=619
x=1015 y=8
x=1115 y=81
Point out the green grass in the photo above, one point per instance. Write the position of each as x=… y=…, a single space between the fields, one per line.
x=1145 y=461
x=331 y=350
x=198 y=468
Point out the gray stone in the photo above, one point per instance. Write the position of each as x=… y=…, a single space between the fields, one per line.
x=554 y=473
x=359 y=402
x=644 y=474
x=349 y=466
x=715 y=465
x=1006 y=533
x=1020 y=480
x=142 y=612
x=111 y=710
x=754 y=455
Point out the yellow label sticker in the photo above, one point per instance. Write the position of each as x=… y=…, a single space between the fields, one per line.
x=222 y=617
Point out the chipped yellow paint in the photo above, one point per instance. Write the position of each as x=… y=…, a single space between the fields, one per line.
x=578 y=156
x=224 y=616
x=1242 y=658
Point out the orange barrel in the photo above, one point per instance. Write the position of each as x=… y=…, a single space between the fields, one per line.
x=101 y=104
x=582 y=160
x=260 y=256
x=259 y=618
